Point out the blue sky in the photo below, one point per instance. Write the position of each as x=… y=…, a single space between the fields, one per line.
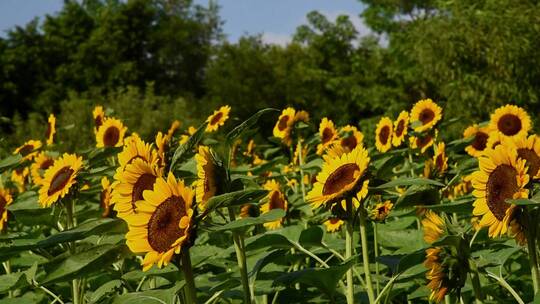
x=276 y=20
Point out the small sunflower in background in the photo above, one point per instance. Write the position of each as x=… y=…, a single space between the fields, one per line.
x=19 y=177
x=436 y=274
x=29 y=149
x=502 y=175
x=218 y=119
x=174 y=126
x=401 y=126
x=421 y=142
x=51 y=130
x=136 y=148
x=480 y=140
x=130 y=184
x=341 y=177
x=327 y=133
x=301 y=116
x=425 y=114
x=184 y=137
x=274 y=200
x=494 y=139
x=440 y=160
x=383 y=135
x=111 y=133
x=99 y=117
x=5 y=200
x=528 y=148
x=300 y=153
x=105 y=196
x=209 y=176
x=249 y=210
x=433 y=226
x=162 y=225
x=381 y=211
x=41 y=163
x=333 y=224
x=284 y=126
x=59 y=178
x=350 y=138
x=510 y=120
x=162 y=145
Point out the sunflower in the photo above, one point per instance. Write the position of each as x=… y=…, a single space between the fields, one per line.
x=51 y=129
x=502 y=175
x=127 y=193
x=401 y=126
x=209 y=176
x=162 y=145
x=350 y=138
x=163 y=224
x=333 y=224
x=249 y=210
x=494 y=139
x=105 y=196
x=381 y=211
x=250 y=149
x=59 y=178
x=19 y=177
x=341 y=177
x=174 y=126
x=184 y=137
x=440 y=160
x=5 y=200
x=328 y=133
x=284 y=125
x=433 y=225
x=218 y=118
x=41 y=163
x=99 y=117
x=421 y=142
x=136 y=148
x=425 y=114
x=301 y=116
x=274 y=200
x=437 y=274
x=383 y=135
x=510 y=120
x=110 y=133
x=528 y=148
x=479 y=143
x=29 y=149
x=298 y=153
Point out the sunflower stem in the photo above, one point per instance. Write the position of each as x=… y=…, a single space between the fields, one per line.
x=376 y=247
x=475 y=279
x=365 y=256
x=349 y=243
x=300 y=164
x=241 y=259
x=190 y=291
x=533 y=260
x=70 y=224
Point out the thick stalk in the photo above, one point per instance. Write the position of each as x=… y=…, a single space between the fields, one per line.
x=349 y=245
x=365 y=256
x=190 y=291
x=376 y=247
x=70 y=223
x=533 y=260
x=238 y=240
x=477 y=288
x=301 y=163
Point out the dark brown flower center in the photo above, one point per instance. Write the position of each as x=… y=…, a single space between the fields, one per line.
x=144 y=182
x=276 y=201
x=439 y=162
x=163 y=227
x=111 y=137
x=349 y=143
x=501 y=185
x=340 y=178
x=509 y=124
x=423 y=141
x=46 y=164
x=480 y=141
x=26 y=149
x=384 y=134
x=48 y=131
x=98 y=121
x=283 y=122
x=400 y=127
x=60 y=180
x=327 y=135
x=533 y=160
x=426 y=116
x=216 y=118
x=3 y=203
x=334 y=220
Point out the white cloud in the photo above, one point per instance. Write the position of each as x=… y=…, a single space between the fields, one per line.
x=276 y=38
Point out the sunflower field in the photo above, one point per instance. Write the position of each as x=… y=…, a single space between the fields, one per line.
x=317 y=213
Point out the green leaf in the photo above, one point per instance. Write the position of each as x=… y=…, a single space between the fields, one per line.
x=248 y=124
x=106 y=290
x=27 y=210
x=12 y=281
x=188 y=146
x=409 y=181
x=10 y=162
x=270 y=216
x=235 y=198
x=523 y=201
x=454 y=207
x=158 y=296
x=312 y=236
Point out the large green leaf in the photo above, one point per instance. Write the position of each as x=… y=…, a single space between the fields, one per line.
x=158 y=296
x=12 y=281
x=27 y=210
x=270 y=216
x=188 y=146
x=409 y=181
x=235 y=198
x=106 y=290
x=248 y=124
x=9 y=162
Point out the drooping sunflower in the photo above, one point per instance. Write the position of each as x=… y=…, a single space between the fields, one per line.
x=59 y=178
x=174 y=126
x=105 y=196
x=440 y=160
x=162 y=145
x=162 y=225
x=29 y=149
x=19 y=177
x=528 y=148
x=383 y=135
x=301 y=116
x=284 y=125
x=433 y=225
x=333 y=224
x=495 y=138
x=218 y=119
x=274 y=200
x=350 y=137
x=249 y=210
x=99 y=117
x=41 y=163
x=425 y=114
x=341 y=177
x=502 y=175
x=136 y=148
x=401 y=126
x=5 y=200
x=381 y=211
x=479 y=143
x=327 y=133
x=421 y=142
x=110 y=133
x=51 y=129
x=510 y=120
x=209 y=176
x=436 y=274
x=130 y=184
